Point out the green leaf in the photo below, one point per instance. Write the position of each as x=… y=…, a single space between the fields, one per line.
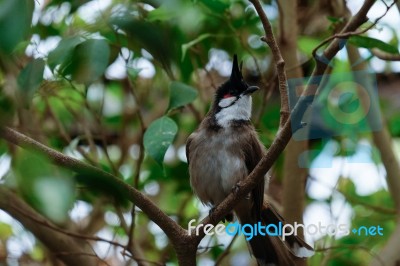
x=186 y=46
x=156 y=38
x=89 y=60
x=15 y=22
x=217 y=6
x=30 y=78
x=158 y=137
x=367 y=42
x=63 y=52
x=180 y=95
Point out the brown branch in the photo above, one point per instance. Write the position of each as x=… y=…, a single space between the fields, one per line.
x=172 y=230
x=349 y=30
x=294 y=176
x=356 y=201
x=55 y=241
x=144 y=261
x=385 y=56
x=280 y=64
x=389 y=255
x=131 y=243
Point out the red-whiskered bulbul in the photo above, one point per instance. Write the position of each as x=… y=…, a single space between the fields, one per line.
x=222 y=152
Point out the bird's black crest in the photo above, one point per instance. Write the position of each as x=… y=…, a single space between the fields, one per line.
x=235 y=84
x=236 y=74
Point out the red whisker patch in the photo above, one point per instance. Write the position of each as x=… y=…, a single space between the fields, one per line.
x=228 y=95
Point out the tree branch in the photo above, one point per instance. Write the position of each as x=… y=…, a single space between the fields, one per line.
x=56 y=242
x=349 y=30
x=294 y=176
x=279 y=62
x=385 y=56
x=171 y=229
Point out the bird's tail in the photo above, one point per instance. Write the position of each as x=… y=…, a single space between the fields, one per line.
x=270 y=248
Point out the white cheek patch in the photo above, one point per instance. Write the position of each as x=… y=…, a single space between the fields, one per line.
x=241 y=110
x=227 y=101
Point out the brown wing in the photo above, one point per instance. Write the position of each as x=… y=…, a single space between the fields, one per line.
x=188 y=142
x=253 y=152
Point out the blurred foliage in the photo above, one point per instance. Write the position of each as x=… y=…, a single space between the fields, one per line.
x=121 y=84
x=15 y=21
x=51 y=191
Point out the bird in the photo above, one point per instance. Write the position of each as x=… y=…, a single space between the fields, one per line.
x=223 y=151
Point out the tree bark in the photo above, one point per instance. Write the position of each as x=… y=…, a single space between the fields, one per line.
x=67 y=249
x=294 y=176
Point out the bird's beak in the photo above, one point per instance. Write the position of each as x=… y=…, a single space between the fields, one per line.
x=250 y=90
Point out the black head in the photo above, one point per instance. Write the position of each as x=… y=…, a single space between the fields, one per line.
x=235 y=86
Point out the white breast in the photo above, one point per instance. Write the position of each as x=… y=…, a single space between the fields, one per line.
x=230 y=166
x=215 y=170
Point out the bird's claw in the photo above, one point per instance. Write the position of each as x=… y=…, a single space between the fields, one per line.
x=236 y=188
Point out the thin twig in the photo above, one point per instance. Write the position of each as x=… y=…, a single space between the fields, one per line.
x=352 y=247
x=68 y=233
x=279 y=62
x=138 y=166
x=81 y=254
x=345 y=35
x=385 y=56
x=226 y=251
x=195 y=113
x=64 y=133
x=266 y=96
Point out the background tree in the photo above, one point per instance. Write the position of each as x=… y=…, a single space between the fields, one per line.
x=97 y=99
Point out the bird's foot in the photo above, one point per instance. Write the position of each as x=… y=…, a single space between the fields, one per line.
x=236 y=188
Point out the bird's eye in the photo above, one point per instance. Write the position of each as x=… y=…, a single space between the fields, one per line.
x=228 y=95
